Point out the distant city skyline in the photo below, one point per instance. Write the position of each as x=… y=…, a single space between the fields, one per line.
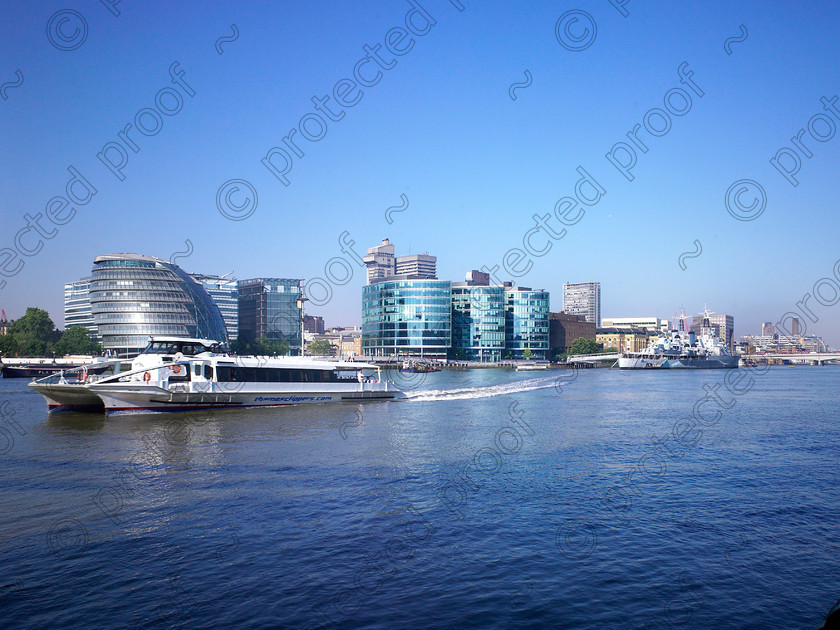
x=210 y=280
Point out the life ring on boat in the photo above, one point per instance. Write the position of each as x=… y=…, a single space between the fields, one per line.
x=176 y=369
x=83 y=374
x=147 y=377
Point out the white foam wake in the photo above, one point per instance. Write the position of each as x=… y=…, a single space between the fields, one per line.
x=488 y=391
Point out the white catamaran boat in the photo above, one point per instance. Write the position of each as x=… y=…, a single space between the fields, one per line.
x=178 y=374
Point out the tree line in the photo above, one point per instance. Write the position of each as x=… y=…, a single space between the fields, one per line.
x=34 y=335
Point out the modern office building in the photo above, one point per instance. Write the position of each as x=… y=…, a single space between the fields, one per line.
x=77 y=309
x=133 y=296
x=583 y=298
x=380 y=262
x=271 y=308
x=409 y=317
x=478 y=321
x=417 y=266
x=313 y=324
x=768 y=329
x=653 y=324
x=224 y=292
x=526 y=323
x=564 y=328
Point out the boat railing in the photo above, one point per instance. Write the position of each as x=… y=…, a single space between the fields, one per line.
x=124 y=377
x=79 y=375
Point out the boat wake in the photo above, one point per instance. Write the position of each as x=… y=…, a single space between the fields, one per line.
x=487 y=391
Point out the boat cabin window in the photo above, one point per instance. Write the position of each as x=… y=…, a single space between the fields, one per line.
x=237 y=374
x=208 y=372
x=197 y=369
x=173 y=347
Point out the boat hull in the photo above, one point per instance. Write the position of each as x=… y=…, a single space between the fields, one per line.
x=663 y=363
x=68 y=397
x=34 y=371
x=118 y=398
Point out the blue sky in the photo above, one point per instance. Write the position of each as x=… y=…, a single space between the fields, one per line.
x=439 y=128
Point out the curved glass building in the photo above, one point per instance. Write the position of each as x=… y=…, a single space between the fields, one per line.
x=133 y=296
x=407 y=317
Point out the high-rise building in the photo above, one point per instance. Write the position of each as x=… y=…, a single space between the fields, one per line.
x=133 y=296
x=417 y=266
x=526 y=323
x=583 y=298
x=794 y=326
x=271 y=308
x=477 y=278
x=77 y=309
x=407 y=317
x=225 y=293
x=768 y=329
x=478 y=321
x=313 y=324
x=380 y=262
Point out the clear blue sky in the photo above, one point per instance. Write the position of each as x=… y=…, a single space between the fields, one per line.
x=439 y=127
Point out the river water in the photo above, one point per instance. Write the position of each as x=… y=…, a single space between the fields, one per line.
x=489 y=498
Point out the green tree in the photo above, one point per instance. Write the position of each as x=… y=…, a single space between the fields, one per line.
x=268 y=347
x=279 y=348
x=322 y=347
x=527 y=354
x=262 y=347
x=584 y=346
x=34 y=333
x=560 y=355
x=76 y=340
x=8 y=346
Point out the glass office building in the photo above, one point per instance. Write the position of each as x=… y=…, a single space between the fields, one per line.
x=77 y=310
x=526 y=323
x=478 y=322
x=268 y=307
x=133 y=296
x=225 y=293
x=407 y=317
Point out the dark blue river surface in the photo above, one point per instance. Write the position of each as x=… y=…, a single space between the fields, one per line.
x=490 y=498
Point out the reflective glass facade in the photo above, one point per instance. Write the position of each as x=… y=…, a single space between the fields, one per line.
x=225 y=293
x=478 y=322
x=407 y=317
x=77 y=310
x=134 y=296
x=268 y=308
x=526 y=322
